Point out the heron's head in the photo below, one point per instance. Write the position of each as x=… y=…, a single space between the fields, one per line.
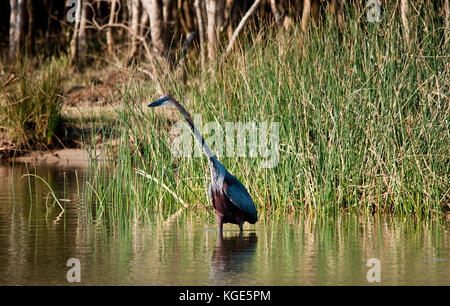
x=163 y=101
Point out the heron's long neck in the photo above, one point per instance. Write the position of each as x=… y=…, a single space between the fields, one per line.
x=196 y=133
x=217 y=169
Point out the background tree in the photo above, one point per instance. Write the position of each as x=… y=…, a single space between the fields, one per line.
x=15 y=26
x=146 y=30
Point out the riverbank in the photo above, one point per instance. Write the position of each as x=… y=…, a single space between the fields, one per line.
x=88 y=109
x=63 y=157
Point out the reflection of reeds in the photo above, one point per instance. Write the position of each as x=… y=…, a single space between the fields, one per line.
x=294 y=250
x=317 y=252
x=305 y=251
x=363 y=124
x=55 y=198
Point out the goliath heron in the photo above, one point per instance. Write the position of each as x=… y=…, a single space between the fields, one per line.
x=230 y=199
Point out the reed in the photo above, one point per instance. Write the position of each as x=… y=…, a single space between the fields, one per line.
x=363 y=125
x=31 y=106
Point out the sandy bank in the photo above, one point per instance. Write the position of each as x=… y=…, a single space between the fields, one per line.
x=63 y=157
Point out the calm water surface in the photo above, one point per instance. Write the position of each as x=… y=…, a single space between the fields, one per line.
x=36 y=241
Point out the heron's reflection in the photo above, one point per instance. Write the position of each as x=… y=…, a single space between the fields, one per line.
x=232 y=256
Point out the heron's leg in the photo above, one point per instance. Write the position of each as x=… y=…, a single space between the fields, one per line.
x=220 y=224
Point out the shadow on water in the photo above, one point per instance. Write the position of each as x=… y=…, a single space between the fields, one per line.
x=232 y=257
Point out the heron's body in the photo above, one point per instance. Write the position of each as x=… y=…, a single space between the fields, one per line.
x=225 y=200
x=231 y=201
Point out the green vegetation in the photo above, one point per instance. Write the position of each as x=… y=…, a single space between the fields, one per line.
x=31 y=113
x=363 y=126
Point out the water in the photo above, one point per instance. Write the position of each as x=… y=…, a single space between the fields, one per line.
x=37 y=240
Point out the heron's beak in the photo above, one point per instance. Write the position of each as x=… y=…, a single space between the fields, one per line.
x=159 y=102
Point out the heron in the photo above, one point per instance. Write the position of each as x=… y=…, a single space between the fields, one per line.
x=231 y=201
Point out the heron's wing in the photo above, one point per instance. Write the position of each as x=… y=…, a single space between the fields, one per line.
x=239 y=196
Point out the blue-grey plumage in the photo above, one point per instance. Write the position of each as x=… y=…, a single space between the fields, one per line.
x=230 y=199
x=240 y=197
x=164 y=100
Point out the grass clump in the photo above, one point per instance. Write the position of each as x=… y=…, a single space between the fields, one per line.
x=31 y=108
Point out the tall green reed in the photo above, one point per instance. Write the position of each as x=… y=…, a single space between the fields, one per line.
x=31 y=112
x=363 y=125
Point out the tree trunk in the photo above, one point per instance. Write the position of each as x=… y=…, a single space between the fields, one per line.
x=241 y=24
x=134 y=27
x=305 y=14
x=78 y=44
x=229 y=5
x=187 y=16
x=154 y=9
x=74 y=40
x=12 y=52
x=404 y=12
x=30 y=31
x=167 y=10
x=82 y=43
x=220 y=15
x=112 y=18
x=180 y=16
x=275 y=12
x=143 y=24
x=201 y=32
x=211 y=10
x=15 y=27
